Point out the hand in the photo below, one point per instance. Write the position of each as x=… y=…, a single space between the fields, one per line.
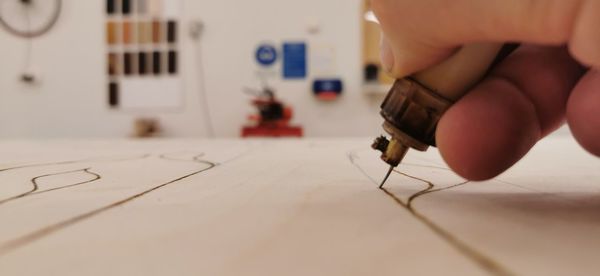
x=527 y=96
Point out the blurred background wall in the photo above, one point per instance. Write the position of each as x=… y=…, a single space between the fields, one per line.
x=70 y=99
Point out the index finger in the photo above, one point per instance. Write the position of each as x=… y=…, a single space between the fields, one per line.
x=423 y=33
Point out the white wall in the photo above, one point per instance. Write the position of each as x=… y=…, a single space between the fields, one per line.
x=71 y=100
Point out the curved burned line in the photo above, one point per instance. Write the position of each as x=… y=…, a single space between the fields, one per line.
x=35 y=185
x=87 y=171
x=53 y=228
x=430 y=188
x=425 y=191
x=483 y=261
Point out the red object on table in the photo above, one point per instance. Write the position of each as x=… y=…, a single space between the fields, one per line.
x=273 y=120
x=258 y=131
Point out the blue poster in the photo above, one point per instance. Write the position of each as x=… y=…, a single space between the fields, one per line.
x=294 y=60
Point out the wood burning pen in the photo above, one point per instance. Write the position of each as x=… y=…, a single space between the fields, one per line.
x=415 y=104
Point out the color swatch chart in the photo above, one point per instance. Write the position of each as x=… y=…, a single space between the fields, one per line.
x=143 y=57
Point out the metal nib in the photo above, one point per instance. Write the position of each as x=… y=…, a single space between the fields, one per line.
x=386 y=177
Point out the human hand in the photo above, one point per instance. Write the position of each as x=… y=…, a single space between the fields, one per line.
x=526 y=97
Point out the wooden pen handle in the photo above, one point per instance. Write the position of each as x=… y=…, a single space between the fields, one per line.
x=456 y=75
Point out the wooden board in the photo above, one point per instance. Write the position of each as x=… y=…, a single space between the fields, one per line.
x=297 y=207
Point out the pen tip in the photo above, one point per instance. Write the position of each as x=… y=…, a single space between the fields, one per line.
x=386 y=177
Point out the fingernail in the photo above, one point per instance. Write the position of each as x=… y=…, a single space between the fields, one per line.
x=387 y=56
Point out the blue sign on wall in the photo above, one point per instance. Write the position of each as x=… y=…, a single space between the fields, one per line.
x=328 y=89
x=266 y=55
x=294 y=60
x=328 y=85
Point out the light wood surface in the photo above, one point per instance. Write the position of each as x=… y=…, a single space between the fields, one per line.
x=306 y=207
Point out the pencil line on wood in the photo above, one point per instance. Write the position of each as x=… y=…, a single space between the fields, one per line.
x=98 y=159
x=43 y=232
x=35 y=185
